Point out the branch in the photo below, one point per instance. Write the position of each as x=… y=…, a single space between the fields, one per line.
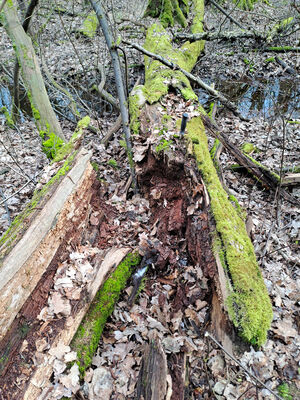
x=227 y=103
x=227 y=15
x=207 y=334
x=119 y=82
x=262 y=174
x=231 y=35
x=2 y=5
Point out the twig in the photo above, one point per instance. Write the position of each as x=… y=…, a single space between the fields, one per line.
x=18 y=191
x=286 y=68
x=227 y=15
x=207 y=334
x=192 y=77
x=231 y=35
x=116 y=126
x=16 y=172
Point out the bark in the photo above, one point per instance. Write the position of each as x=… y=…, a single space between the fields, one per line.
x=26 y=22
x=43 y=113
x=152 y=381
x=97 y=6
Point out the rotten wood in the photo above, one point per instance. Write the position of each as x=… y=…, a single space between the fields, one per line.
x=290 y=180
x=152 y=381
x=40 y=378
x=262 y=174
x=26 y=262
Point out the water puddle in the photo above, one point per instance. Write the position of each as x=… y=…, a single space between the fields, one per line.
x=260 y=98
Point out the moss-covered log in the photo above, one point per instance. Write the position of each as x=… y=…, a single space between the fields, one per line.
x=88 y=334
x=42 y=111
x=248 y=303
x=247 y=299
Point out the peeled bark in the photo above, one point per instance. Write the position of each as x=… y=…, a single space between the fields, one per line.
x=43 y=113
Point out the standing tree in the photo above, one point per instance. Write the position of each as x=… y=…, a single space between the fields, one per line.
x=45 y=118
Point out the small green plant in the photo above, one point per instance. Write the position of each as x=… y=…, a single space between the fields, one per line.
x=123 y=144
x=250 y=64
x=113 y=163
x=284 y=391
x=95 y=166
x=163 y=145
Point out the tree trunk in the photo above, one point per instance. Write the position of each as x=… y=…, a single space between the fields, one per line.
x=43 y=113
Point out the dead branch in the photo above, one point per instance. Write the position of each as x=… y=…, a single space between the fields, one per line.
x=227 y=103
x=231 y=35
x=262 y=174
x=286 y=68
x=207 y=334
x=227 y=15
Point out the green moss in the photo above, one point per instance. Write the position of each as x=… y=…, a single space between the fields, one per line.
x=166 y=18
x=275 y=176
x=245 y=4
x=62 y=152
x=87 y=337
x=270 y=59
x=179 y=16
x=248 y=304
x=113 y=163
x=19 y=222
x=284 y=391
x=89 y=26
x=136 y=101
x=159 y=77
x=9 y=120
x=95 y=166
x=35 y=112
x=52 y=145
x=248 y=148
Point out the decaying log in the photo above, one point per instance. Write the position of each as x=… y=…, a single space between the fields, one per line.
x=40 y=378
x=28 y=259
x=152 y=381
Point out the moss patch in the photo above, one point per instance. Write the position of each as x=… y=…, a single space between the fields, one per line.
x=68 y=147
x=87 y=337
x=90 y=25
x=249 y=304
x=159 y=77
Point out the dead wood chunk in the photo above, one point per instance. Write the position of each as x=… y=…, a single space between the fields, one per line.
x=61 y=218
x=152 y=381
x=220 y=325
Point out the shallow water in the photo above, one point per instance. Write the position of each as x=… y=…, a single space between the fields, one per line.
x=260 y=98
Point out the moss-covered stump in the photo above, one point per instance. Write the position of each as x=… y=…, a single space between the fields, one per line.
x=88 y=334
x=248 y=303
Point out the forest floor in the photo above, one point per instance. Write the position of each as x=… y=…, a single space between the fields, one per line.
x=266 y=93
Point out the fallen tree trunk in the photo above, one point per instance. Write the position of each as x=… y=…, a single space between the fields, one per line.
x=245 y=298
